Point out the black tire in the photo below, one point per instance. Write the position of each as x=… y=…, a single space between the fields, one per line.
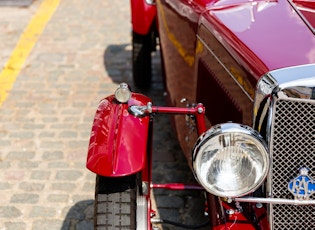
x=141 y=59
x=115 y=205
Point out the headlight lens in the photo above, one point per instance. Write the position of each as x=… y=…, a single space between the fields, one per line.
x=230 y=160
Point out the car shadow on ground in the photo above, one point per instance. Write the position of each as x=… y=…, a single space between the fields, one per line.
x=80 y=216
x=118 y=65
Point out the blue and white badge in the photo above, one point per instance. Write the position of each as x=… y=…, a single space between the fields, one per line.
x=302 y=186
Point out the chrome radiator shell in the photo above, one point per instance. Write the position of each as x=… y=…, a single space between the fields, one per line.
x=284 y=113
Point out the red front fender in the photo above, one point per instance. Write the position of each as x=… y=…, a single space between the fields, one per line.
x=142 y=16
x=118 y=141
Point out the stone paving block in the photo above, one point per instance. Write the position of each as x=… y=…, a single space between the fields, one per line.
x=28 y=164
x=68 y=134
x=88 y=187
x=25 y=198
x=47 y=134
x=4 y=164
x=5 y=143
x=58 y=165
x=87 y=199
x=19 y=3
x=68 y=175
x=32 y=187
x=40 y=175
x=5 y=186
x=20 y=155
x=58 y=144
x=50 y=119
x=15 y=225
x=14 y=175
x=57 y=198
x=22 y=134
x=47 y=224
x=43 y=212
x=52 y=155
x=9 y=212
x=66 y=187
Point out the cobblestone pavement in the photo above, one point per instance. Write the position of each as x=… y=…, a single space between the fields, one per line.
x=45 y=121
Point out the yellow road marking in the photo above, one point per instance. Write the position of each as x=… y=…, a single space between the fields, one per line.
x=25 y=45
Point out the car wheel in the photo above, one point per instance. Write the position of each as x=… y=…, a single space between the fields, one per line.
x=141 y=59
x=118 y=204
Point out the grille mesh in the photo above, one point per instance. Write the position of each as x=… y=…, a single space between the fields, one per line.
x=292 y=148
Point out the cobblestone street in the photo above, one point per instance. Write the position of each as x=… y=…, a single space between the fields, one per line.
x=45 y=121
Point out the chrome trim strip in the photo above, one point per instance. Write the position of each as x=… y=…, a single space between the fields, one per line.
x=225 y=68
x=295 y=75
x=291 y=82
x=274 y=201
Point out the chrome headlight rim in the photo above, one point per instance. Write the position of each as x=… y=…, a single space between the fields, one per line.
x=224 y=129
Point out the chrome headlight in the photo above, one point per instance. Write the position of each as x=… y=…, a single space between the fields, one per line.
x=230 y=160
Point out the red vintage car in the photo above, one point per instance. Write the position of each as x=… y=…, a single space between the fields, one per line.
x=247 y=72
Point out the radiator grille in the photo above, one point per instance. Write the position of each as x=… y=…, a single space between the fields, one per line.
x=292 y=148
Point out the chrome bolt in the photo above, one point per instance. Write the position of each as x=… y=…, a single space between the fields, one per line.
x=259 y=205
x=230 y=211
x=229 y=200
x=200 y=110
x=145 y=188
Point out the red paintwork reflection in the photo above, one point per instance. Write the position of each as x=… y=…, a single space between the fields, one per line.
x=118 y=140
x=263 y=35
x=307 y=8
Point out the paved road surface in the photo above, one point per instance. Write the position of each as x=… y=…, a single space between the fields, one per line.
x=45 y=119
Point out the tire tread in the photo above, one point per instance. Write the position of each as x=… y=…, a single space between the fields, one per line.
x=114 y=210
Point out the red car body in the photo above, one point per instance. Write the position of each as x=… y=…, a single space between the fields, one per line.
x=214 y=40
x=216 y=52
x=252 y=66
